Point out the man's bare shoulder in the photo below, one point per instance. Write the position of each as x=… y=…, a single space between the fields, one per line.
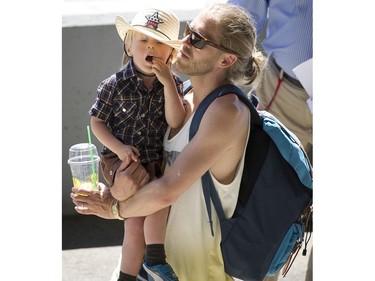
x=226 y=128
x=225 y=122
x=229 y=108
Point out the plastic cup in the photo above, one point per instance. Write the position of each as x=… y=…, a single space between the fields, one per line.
x=83 y=173
x=82 y=149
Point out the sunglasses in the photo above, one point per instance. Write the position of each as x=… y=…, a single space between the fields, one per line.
x=199 y=41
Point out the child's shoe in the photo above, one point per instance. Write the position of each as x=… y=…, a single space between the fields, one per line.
x=160 y=272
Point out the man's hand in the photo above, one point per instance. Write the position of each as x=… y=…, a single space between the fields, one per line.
x=130 y=177
x=90 y=202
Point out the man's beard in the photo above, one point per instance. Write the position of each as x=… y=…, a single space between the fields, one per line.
x=194 y=67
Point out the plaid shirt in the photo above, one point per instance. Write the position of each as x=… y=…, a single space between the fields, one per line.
x=133 y=114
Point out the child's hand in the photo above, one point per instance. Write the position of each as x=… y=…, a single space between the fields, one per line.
x=162 y=71
x=128 y=150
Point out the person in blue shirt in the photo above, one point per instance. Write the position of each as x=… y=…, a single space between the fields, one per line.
x=287 y=29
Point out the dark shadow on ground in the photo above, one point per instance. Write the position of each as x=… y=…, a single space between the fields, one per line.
x=87 y=231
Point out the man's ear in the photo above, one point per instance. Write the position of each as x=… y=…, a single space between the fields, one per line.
x=228 y=60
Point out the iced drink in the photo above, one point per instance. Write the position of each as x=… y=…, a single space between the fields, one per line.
x=85 y=171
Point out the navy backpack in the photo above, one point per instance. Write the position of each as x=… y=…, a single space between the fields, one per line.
x=275 y=197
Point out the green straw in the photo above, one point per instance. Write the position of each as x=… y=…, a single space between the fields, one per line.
x=92 y=158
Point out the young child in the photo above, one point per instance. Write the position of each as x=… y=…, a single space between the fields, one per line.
x=130 y=116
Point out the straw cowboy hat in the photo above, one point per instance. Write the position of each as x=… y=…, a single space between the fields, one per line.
x=161 y=25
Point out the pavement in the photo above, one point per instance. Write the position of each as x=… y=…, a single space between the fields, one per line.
x=91 y=247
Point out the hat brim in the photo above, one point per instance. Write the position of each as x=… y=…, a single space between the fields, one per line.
x=123 y=27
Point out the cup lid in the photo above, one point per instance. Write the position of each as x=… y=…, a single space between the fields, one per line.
x=82 y=149
x=83 y=160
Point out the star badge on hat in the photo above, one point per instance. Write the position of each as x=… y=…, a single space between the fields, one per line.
x=153 y=20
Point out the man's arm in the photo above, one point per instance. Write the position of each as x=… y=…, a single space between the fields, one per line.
x=218 y=143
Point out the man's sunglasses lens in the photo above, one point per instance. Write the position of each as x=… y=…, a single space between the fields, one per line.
x=195 y=40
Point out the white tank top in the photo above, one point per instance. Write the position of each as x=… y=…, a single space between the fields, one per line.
x=191 y=250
